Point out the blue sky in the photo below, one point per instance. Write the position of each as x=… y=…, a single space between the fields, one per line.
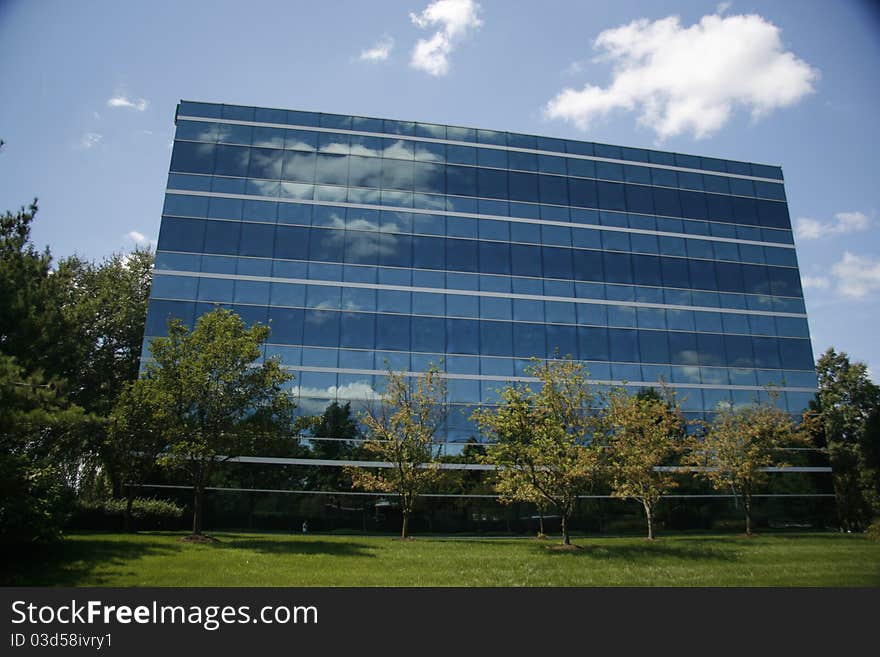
x=89 y=92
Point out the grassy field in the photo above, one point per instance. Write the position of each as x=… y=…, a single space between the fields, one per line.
x=241 y=559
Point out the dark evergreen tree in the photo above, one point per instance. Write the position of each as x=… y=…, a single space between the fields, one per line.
x=847 y=404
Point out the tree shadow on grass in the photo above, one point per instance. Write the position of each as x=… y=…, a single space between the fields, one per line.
x=799 y=536
x=73 y=562
x=297 y=546
x=635 y=548
x=649 y=551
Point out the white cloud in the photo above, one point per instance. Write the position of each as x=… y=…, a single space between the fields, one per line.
x=139 y=104
x=136 y=237
x=90 y=140
x=380 y=51
x=844 y=222
x=689 y=79
x=857 y=276
x=575 y=68
x=815 y=282
x=431 y=55
x=454 y=18
x=351 y=391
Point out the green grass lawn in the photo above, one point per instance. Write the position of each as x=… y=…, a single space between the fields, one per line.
x=242 y=559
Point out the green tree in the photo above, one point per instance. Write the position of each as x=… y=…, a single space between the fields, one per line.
x=37 y=423
x=338 y=427
x=871 y=457
x=848 y=404
x=80 y=320
x=643 y=434
x=221 y=403
x=37 y=351
x=740 y=445
x=543 y=446
x=337 y=422
x=470 y=480
x=333 y=430
x=401 y=431
x=135 y=436
x=75 y=326
x=466 y=482
x=77 y=321
x=32 y=325
x=105 y=307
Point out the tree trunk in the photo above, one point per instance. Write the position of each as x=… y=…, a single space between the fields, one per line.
x=198 y=500
x=649 y=516
x=404 y=528
x=115 y=486
x=129 y=502
x=540 y=522
x=565 y=538
x=747 y=508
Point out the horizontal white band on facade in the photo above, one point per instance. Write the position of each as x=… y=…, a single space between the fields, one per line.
x=531 y=379
x=487 y=443
x=356 y=463
x=496 y=147
x=473 y=166
x=287 y=491
x=499 y=378
x=475 y=215
x=472 y=293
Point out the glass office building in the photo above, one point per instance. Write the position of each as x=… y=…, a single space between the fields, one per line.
x=370 y=244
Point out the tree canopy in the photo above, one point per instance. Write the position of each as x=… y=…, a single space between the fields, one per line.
x=219 y=401
x=105 y=306
x=38 y=425
x=401 y=431
x=543 y=437
x=643 y=433
x=33 y=329
x=135 y=437
x=848 y=408
x=739 y=446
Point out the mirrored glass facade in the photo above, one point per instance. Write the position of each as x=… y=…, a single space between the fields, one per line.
x=370 y=244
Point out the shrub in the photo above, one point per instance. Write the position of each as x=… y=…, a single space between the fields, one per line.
x=147 y=513
x=873 y=531
x=33 y=503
